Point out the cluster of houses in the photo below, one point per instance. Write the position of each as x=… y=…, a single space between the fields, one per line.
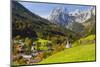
x=27 y=50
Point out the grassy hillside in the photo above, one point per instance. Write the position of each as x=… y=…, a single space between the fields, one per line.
x=85 y=40
x=77 y=53
x=43 y=44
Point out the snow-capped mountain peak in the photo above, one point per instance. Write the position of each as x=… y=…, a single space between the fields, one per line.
x=62 y=16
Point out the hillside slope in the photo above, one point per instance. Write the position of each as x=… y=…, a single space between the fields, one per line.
x=90 y=26
x=85 y=52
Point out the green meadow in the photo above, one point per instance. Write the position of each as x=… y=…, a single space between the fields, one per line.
x=81 y=52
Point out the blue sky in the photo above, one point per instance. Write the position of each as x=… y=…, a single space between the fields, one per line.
x=44 y=9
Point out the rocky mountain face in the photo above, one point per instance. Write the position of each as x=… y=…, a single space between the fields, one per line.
x=82 y=16
x=72 y=20
x=60 y=16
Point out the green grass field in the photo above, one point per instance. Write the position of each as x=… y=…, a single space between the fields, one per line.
x=75 y=54
x=43 y=43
